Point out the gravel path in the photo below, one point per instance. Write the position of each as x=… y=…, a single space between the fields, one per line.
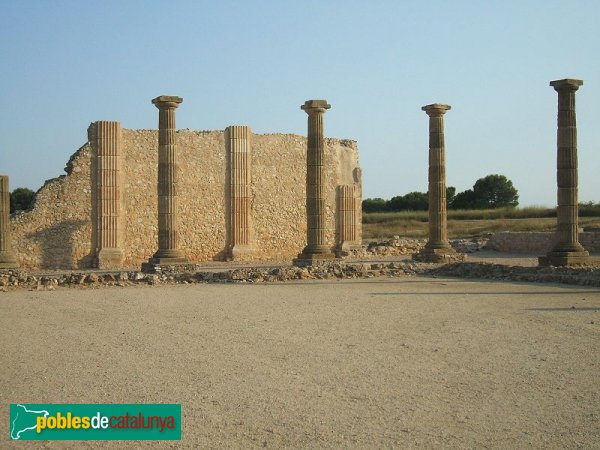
x=408 y=363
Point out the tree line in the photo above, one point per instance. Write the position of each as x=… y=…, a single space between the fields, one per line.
x=490 y=192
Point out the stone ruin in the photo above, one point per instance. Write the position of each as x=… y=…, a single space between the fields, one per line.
x=133 y=197
x=438 y=248
x=567 y=251
x=7 y=256
x=238 y=197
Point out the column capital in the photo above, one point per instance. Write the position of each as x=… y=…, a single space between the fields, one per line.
x=568 y=84
x=315 y=106
x=167 y=101
x=436 y=109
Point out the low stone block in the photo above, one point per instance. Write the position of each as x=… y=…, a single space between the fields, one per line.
x=439 y=255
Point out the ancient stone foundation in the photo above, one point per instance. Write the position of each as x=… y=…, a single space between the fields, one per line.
x=539 y=242
x=58 y=232
x=7 y=256
x=568 y=251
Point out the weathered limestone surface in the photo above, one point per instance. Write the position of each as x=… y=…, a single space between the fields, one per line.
x=538 y=241
x=317 y=248
x=238 y=195
x=168 y=231
x=57 y=232
x=105 y=138
x=438 y=249
x=347 y=237
x=7 y=257
x=568 y=250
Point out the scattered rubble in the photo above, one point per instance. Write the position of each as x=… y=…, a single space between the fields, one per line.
x=11 y=279
x=469 y=245
x=585 y=276
x=395 y=246
x=405 y=246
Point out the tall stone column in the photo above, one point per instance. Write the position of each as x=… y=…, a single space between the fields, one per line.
x=567 y=251
x=238 y=178
x=168 y=233
x=438 y=248
x=316 y=249
x=105 y=138
x=7 y=257
x=347 y=220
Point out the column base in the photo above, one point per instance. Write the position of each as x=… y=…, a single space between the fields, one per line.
x=312 y=256
x=181 y=260
x=164 y=257
x=346 y=248
x=158 y=266
x=439 y=255
x=109 y=258
x=239 y=252
x=558 y=258
x=8 y=260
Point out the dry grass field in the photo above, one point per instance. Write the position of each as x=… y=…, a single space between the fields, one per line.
x=461 y=223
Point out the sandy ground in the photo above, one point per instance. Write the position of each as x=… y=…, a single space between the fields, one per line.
x=405 y=363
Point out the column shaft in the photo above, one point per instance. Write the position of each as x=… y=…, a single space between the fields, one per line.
x=238 y=176
x=438 y=248
x=438 y=233
x=168 y=237
x=566 y=174
x=105 y=138
x=568 y=250
x=346 y=210
x=316 y=248
x=315 y=199
x=7 y=257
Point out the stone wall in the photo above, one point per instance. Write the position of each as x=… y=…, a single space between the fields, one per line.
x=57 y=232
x=537 y=242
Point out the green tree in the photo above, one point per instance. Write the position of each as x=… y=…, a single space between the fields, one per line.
x=374 y=205
x=417 y=201
x=413 y=201
x=464 y=200
x=450 y=194
x=396 y=203
x=495 y=191
x=21 y=199
x=489 y=192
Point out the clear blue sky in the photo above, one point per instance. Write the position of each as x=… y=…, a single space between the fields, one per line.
x=68 y=63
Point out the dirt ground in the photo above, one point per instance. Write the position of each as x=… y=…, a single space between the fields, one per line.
x=405 y=363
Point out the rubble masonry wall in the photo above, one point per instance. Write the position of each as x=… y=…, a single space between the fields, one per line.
x=57 y=232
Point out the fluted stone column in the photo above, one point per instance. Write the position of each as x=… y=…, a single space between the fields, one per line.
x=7 y=257
x=105 y=138
x=168 y=233
x=316 y=249
x=238 y=178
x=347 y=238
x=568 y=251
x=438 y=248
